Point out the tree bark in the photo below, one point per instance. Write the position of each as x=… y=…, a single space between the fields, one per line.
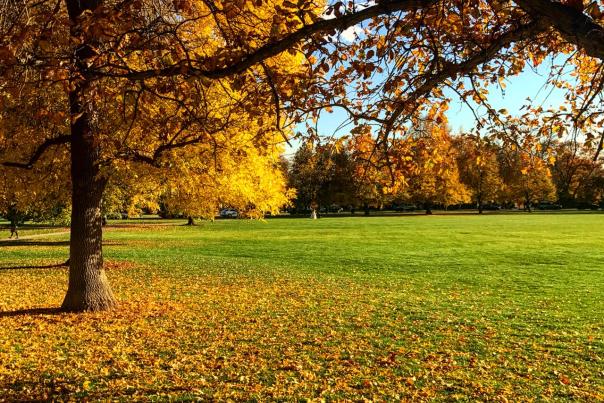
x=88 y=288
x=191 y=221
x=428 y=207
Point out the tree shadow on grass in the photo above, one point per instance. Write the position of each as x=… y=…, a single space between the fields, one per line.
x=30 y=312
x=24 y=242
x=50 y=387
x=33 y=243
x=30 y=266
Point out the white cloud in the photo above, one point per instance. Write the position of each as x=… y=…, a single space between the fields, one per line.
x=350 y=33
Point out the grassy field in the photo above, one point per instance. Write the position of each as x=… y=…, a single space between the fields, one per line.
x=495 y=307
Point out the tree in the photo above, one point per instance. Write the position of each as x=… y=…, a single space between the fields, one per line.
x=575 y=173
x=340 y=189
x=593 y=191
x=37 y=194
x=129 y=194
x=526 y=175
x=114 y=123
x=322 y=175
x=307 y=174
x=254 y=185
x=435 y=177
x=107 y=68
x=478 y=168
x=381 y=170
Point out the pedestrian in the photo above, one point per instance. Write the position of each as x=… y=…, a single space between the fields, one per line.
x=14 y=229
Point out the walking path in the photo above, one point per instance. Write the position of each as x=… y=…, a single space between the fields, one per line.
x=26 y=237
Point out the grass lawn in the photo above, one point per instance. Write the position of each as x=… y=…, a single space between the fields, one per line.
x=495 y=307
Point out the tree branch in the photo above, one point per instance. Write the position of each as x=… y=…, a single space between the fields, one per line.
x=452 y=70
x=573 y=25
x=271 y=49
x=599 y=149
x=39 y=152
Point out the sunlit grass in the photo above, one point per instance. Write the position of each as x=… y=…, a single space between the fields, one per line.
x=469 y=307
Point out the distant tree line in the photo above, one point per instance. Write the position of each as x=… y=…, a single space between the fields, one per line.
x=431 y=168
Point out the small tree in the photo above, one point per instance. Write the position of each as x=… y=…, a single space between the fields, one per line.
x=576 y=173
x=527 y=176
x=435 y=179
x=478 y=168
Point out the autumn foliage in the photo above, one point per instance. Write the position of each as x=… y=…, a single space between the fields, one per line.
x=190 y=91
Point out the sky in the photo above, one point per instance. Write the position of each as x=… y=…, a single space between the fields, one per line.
x=527 y=84
x=530 y=83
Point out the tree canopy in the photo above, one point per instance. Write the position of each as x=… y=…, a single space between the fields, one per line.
x=202 y=86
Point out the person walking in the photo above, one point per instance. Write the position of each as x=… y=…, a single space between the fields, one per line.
x=14 y=230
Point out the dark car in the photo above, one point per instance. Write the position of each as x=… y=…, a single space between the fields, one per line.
x=229 y=213
x=587 y=206
x=404 y=207
x=549 y=206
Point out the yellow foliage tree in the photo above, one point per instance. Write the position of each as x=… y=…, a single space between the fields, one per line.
x=478 y=168
x=435 y=177
x=125 y=82
x=116 y=95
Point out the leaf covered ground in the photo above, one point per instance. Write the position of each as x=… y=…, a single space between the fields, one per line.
x=500 y=307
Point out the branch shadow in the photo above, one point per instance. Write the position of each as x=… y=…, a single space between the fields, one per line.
x=31 y=312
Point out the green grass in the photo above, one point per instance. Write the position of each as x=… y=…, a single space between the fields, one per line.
x=444 y=307
x=29 y=228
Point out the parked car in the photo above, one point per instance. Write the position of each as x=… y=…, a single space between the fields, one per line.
x=491 y=207
x=404 y=207
x=228 y=213
x=549 y=206
x=587 y=206
x=334 y=208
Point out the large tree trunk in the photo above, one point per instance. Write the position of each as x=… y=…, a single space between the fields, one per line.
x=88 y=288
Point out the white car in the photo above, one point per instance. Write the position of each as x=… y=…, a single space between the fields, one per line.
x=228 y=213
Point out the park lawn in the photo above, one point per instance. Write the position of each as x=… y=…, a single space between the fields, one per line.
x=494 y=307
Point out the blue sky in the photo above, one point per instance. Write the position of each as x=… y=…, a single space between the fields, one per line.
x=529 y=83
